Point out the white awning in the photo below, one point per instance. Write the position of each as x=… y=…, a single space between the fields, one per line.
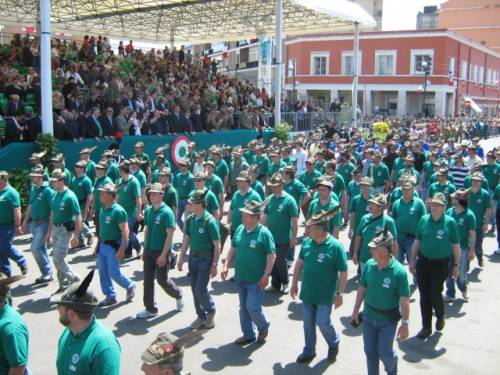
x=468 y=102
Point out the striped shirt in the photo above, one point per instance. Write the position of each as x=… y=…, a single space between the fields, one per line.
x=459 y=174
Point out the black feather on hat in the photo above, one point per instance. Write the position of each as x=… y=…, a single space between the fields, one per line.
x=78 y=297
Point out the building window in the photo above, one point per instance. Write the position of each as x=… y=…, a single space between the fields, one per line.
x=463 y=72
x=385 y=63
x=481 y=75
x=319 y=64
x=418 y=56
x=488 y=76
x=475 y=73
x=253 y=53
x=451 y=67
x=348 y=63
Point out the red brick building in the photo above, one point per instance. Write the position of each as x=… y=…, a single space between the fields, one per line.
x=391 y=75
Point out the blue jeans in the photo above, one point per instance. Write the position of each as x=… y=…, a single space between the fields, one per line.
x=199 y=273
x=38 y=247
x=7 y=251
x=462 y=275
x=251 y=313
x=378 y=338
x=180 y=212
x=425 y=191
x=318 y=315
x=109 y=271
x=405 y=243
x=478 y=249
x=133 y=240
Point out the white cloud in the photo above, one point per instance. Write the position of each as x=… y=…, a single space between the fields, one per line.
x=402 y=14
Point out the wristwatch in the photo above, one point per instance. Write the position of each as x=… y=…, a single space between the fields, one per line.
x=405 y=322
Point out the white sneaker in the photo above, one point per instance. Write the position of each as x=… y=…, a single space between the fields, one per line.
x=146 y=314
x=447 y=298
x=180 y=303
x=497 y=252
x=284 y=289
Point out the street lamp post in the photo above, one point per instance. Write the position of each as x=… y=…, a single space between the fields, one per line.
x=425 y=66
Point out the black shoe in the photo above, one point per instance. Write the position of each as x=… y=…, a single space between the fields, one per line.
x=480 y=262
x=440 y=324
x=108 y=302
x=424 y=333
x=262 y=335
x=332 y=353
x=24 y=269
x=44 y=280
x=304 y=358
x=243 y=341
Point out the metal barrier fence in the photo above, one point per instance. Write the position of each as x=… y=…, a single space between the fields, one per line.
x=305 y=121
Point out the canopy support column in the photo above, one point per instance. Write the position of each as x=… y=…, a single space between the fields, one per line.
x=45 y=68
x=279 y=57
x=172 y=38
x=355 y=64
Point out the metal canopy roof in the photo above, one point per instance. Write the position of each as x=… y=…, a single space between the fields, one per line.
x=192 y=21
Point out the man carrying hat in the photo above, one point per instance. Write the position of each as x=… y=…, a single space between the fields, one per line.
x=10 y=226
x=13 y=332
x=81 y=185
x=37 y=217
x=369 y=226
x=130 y=198
x=113 y=237
x=158 y=236
x=202 y=236
x=281 y=217
x=384 y=289
x=322 y=264
x=86 y=346
x=65 y=221
x=253 y=250
x=183 y=182
x=436 y=241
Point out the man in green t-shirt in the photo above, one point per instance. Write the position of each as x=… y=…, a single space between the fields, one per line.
x=379 y=173
x=37 y=218
x=65 y=221
x=86 y=347
x=235 y=167
x=281 y=217
x=113 y=237
x=322 y=265
x=101 y=180
x=253 y=250
x=10 y=226
x=90 y=165
x=143 y=157
x=437 y=240
x=170 y=196
x=158 y=236
x=202 y=237
x=81 y=185
x=240 y=198
x=13 y=332
x=384 y=289
x=479 y=204
x=183 y=182
x=295 y=188
x=214 y=183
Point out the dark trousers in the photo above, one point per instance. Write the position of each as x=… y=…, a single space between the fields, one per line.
x=431 y=275
x=152 y=272
x=478 y=248
x=498 y=227
x=279 y=274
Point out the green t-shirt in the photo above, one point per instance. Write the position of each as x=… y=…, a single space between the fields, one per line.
x=449 y=178
x=9 y=199
x=145 y=158
x=360 y=207
x=14 y=339
x=320 y=166
x=280 y=212
x=468 y=183
x=141 y=177
x=496 y=196
x=249 y=156
x=184 y=184
x=428 y=169
x=339 y=186
x=384 y=287
x=353 y=189
x=221 y=169
x=316 y=206
x=322 y=264
x=128 y=192
x=275 y=167
x=40 y=199
x=212 y=201
x=259 y=189
x=64 y=206
x=170 y=197
x=94 y=351
x=345 y=170
x=310 y=179
x=215 y=184
x=466 y=222
x=407 y=215
x=113 y=172
x=202 y=232
x=235 y=170
x=90 y=170
x=297 y=190
x=410 y=171
x=446 y=189
x=491 y=172
x=82 y=187
x=399 y=164
x=289 y=160
x=263 y=163
x=479 y=203
x=99 y=182
x=398 y=193
x=368 y=227
x=158 y=222
x=251 y=252
x=380 y=174
x=109 y=222
x=239 y=201
x=437 y=237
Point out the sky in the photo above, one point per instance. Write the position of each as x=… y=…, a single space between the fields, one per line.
x=402 y=14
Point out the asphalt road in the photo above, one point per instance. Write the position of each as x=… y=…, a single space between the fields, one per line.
x=467 y=345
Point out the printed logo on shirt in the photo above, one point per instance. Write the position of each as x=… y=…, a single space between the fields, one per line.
x=157 y=220
x=108 y=219
x=461 y=221
x=321 y=258
x=412 y=210
x=280 y=208
x=387 y=282
x=201 y=230
x=75 y=359
x=253 y=243
x=479 y=200
x=439 y=234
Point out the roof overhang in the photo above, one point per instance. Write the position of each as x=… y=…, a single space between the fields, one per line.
x=192 y=21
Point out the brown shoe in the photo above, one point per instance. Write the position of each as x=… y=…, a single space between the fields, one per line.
x=262 y=335
x=243 y=341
